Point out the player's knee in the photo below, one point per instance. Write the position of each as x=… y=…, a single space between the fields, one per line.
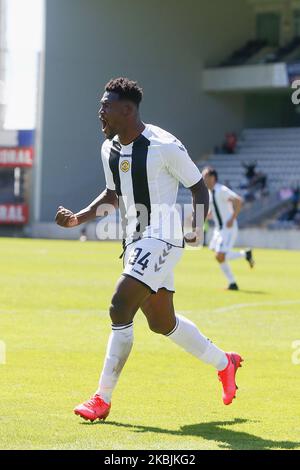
x=220 y=257
x=156 y=328
x=119 y=310
x=161 y=328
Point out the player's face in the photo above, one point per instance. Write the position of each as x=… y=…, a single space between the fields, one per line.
x=111 y=114
x=209 y=180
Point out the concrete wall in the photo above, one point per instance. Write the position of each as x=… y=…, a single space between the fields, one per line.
x=263 y=238
x=271 y=110
x=164 y=45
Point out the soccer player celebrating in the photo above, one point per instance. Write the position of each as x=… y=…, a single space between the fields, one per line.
x=143 y=165
x=225 y=206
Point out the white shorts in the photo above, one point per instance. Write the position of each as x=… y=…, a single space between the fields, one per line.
x=223 y=240
x=151 y=262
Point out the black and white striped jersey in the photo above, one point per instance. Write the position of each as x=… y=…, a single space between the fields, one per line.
x=221 y=205
x=145 y=176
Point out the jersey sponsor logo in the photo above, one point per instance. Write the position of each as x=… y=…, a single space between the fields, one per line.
x=125 y=166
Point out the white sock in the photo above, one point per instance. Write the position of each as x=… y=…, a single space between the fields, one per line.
x=227 y=272
x=117 y=352
x=187 y=335
x=232 y=255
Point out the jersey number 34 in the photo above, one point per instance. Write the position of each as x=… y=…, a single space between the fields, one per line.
x=136 y=258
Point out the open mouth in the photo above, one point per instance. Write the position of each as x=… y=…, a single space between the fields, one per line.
x=104 y=124
x=106 y=129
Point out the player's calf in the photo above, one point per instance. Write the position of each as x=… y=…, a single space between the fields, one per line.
x=159 y=311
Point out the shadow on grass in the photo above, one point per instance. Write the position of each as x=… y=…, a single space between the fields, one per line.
x=256 y=292
x=245 y=291
x=212 y=431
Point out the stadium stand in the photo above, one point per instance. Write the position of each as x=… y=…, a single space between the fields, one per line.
x=289 y=52
x=241 y=55
x=277 y=155
x=260 y=52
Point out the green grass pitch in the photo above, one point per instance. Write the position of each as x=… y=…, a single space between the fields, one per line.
x=54 y=323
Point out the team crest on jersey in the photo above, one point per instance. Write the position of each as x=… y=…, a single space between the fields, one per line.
x=125 y=166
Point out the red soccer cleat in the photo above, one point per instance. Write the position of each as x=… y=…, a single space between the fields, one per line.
x=94 y=408
x=227 y=377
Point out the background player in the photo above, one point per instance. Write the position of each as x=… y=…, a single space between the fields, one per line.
x=225 y=206
x=143 y=165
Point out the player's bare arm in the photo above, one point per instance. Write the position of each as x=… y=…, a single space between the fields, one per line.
x=200 y=196
x=237 y=203
x=103 y=205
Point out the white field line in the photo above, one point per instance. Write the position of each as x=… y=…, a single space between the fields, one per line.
x=229 y=308
x=58 y=311
x=272 y=303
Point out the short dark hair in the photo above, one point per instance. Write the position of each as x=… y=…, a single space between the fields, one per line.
x=211 y=172
x=126 y=89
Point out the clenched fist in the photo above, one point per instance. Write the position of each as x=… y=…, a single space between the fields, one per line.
x=65 y=218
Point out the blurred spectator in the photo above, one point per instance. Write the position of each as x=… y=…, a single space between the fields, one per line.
x=289 y=216
x=229 y=146
x=286 y=193
x=250 y=170
x=255 y=183
x=292 y=214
